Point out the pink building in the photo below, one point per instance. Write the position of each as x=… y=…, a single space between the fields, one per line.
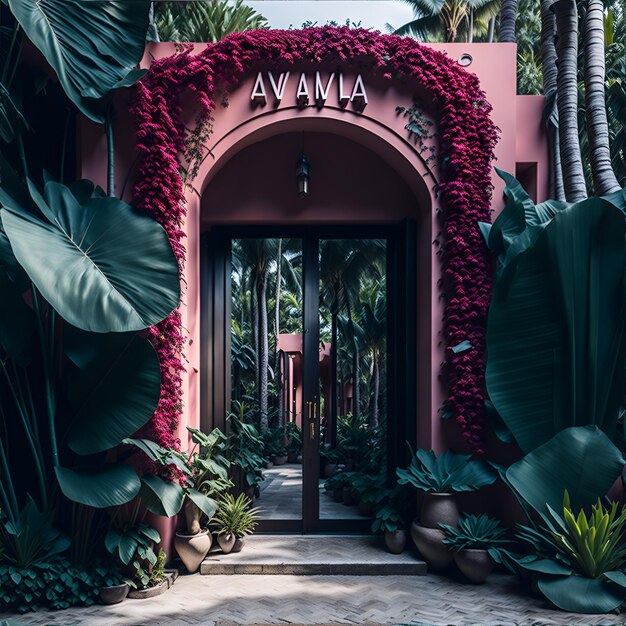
x=369 y=175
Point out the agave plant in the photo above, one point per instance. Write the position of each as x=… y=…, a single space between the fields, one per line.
x=446 y=473
x=475 y=532
x=235 y=516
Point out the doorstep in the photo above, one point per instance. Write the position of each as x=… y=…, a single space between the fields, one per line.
x=339 y=555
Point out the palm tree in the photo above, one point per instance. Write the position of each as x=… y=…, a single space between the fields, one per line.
x=205 y=20
x=447 y=20
x=566 y=13
x=374 y=328
x=604 y=180
x=254 y=257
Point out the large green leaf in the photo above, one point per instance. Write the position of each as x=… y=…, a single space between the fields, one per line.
x=556 y=344
x=110 y=486
x=580 y=459
x=162 y=497
x=114 y=397
x=581 y=595
x=92 y=46
x=207 y=505
x=103 y=266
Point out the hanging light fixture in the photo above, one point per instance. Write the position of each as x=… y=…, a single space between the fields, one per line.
x=303 y=175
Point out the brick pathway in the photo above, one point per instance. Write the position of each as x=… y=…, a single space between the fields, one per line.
x=241 y=599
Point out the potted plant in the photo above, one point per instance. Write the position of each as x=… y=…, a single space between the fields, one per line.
x=336 y=483
x=439 y=478
x=114 y=586
x=208 y=468
x=294 y=442
x=330 y=460
x=234 y=520
x=391 y=513
x=470 y=543
x=368 y=491
x=246 y=447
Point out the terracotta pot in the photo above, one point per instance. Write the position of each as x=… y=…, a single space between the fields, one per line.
x=330 y=469
x=429 y=542
x=280 y=460
x=365 y=509
x=238 y=545
x=395 y=542
x=439 y=507
x=193 y=548
x=114 y=594
x=348 y=496
x=292 y=457
x=338 y=494
x=476 y=565
x=226 y=542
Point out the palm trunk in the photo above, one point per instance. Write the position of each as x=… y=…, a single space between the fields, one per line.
x=567 y=100
x=277 y=356
x=264 y=354
x=549 y=73
x=374 y=411
x=254 y=306
x=470 y=32
x=508 y=14
x=356 y=391
x=492 y=28
x=333 y=375
x=604 y=180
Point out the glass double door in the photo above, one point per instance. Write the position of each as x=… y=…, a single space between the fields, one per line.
x=312 y=367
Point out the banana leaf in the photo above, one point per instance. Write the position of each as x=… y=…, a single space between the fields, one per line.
x=93 y=47
x=581 y=595
x=555 y=336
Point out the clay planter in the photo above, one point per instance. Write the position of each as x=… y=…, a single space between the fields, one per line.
x=395 y=542
x=193 y=548
x=115 y=594
x=476 y=565
x=439 y=507
x=238 y=545
x=338 y=494
x=330 y=469
x=280 y=460
x=226 y=542
x=150 y=592
x=365 y=509
x=292 y=457
x=269 y=465
x=429 y=542
x=348 y=497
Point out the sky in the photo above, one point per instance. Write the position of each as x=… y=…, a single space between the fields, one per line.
x=371 y=13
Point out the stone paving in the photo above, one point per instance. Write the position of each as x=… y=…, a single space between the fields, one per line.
x=230 y=600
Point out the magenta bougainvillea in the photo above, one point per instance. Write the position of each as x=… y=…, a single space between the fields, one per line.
x=467 y=140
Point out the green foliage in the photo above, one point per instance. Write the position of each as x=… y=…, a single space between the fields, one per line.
x=555 y=335
x=369 y=487
x=93 y=47
x=235 y=516
x=339 y=480
x=205 y=20
x=157 y=575
x=133 y=545
x=56 y=584
x=474 y=532
x=274 y=442
x=293 y=432
x=392 y=510
x=448 y=472
x=246 y=445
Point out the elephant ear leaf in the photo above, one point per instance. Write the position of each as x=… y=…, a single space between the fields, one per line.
x=581 y=459
x=161 y=497
x=102 y=266
x=93 y=47
x=115 y=396
x=111 y=486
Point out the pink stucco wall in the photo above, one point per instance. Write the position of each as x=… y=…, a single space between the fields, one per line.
x=365 y=169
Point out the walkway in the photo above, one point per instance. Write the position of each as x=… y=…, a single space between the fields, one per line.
x=281 y=496
x=228 y=600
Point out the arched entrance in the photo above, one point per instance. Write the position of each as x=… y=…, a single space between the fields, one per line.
x=356 y=200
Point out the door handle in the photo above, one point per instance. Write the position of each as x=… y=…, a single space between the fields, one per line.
x=312 y=430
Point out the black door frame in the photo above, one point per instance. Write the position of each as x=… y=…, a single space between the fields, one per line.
x=215 y=294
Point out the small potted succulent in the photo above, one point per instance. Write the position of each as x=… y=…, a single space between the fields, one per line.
x=235 y=519
x=439 y=478
x=470 y=543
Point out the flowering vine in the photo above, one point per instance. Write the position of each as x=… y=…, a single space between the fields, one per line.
x=467 y=140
